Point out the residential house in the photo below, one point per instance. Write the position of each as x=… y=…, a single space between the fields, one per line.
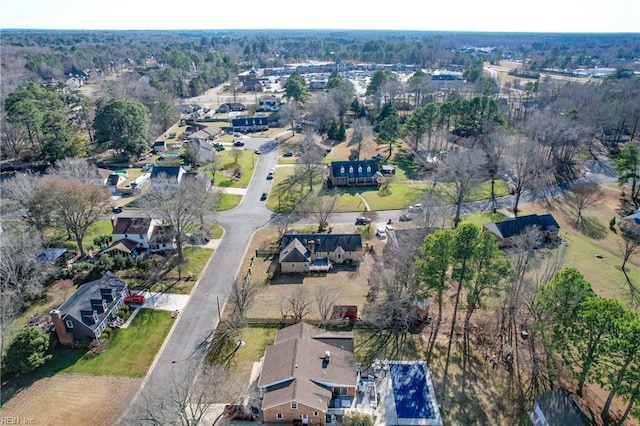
x=87 y=313
x=137 y=235
x=114 y=182
x=308 y=375
x=205 y=149
x=250 y=124
x=208 y=133
x=172 y=175
x=58 y=256
x=318 y=252
x=269 y=103
x=319 y=84
x=354 y=173
x=559 y=407
x=252 y=85
x=506 y=230
x=159 y=146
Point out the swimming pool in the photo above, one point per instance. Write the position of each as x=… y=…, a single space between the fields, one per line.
x=411 y=391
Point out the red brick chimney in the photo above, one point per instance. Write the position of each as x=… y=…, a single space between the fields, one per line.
x=64 y=336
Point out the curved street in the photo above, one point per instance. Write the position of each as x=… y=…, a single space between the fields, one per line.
x=186 y=344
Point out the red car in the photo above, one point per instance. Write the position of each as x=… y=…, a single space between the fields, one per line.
x=134 y=299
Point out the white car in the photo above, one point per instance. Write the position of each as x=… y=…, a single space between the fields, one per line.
x=381 y=233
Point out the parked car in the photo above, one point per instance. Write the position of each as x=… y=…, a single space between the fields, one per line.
x=415 y=208
x=270 y=176
x=117 y=209
x=381 y=233
x=238 y=143
x=288 y=154
x=263 y=196
x=257 y=151
x=134 y=299
x=363 y=220
x=405 y=218
x=237 y=134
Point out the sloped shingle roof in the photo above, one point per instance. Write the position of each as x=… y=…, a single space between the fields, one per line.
x=327 y=242
x=516 y=226
x=354 y=169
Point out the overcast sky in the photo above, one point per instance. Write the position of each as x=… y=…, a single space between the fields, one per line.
x=434 y=15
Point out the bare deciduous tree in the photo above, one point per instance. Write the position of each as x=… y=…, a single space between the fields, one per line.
x=462 y=172
x=295 y=305
x=290 y=113
x=320 y=207
x=74 y=204
x=583 y=195
x=529 y=167
x=362 y=131
x=13 y=139
x=310 y=161
x=181 y=208
x=326 y=297
x=242 y=293
x=76 y=168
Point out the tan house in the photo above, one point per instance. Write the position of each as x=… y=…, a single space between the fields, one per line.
x=308 y=376
x=318 y=252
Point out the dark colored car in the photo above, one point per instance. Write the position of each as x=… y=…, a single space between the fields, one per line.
x=405 y=218
x=288 y=154
x=363 y=220
x=238 y=143
x=263 y=196
x=134 y=299
x=117 y=209
x=270 y=176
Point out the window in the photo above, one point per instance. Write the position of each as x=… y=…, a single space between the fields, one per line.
x=279 y=416
x=359 y=169
x=368 y=169
x=69 y=323
x=294 y=405
x=341 y=170
x=350 y=169
x=315 y=414
x=95 y=316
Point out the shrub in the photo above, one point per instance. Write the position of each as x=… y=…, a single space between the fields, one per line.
x=125 y=308
x=121 y=313
x=27 y=351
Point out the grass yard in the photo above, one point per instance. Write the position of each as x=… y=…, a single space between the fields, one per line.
x=229 y=201
x=131 y=350
x=197 y=260
x=245 y=162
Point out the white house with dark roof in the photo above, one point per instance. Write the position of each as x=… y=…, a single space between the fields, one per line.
x=134 y=235
x=318 y=252
x=87 y=313
x=308 y=375
x=354 y=173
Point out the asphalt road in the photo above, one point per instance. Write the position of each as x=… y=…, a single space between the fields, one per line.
x=184 y=348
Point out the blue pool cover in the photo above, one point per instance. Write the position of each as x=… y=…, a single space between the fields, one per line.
x=411 y=392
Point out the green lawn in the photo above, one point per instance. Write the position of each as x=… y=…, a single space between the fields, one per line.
x=229 y=201
x=481 y=219
x=246 y=162
x=131 y=350
x=197 y=259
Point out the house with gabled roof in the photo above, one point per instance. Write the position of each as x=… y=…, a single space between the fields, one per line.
x=136 y=235
x=308 y=375
x=172 y=174
x=250 y=124
x=87 y=313
x=318 y=252
x=355 y=173
x=507 y=230
x=559 y=407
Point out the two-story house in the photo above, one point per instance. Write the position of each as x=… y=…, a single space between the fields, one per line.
x=354 y=173
x=170 y=176
x=308 y=375
x=86 y=314
x=134 y=235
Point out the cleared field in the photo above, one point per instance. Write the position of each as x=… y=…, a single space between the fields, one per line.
x=73 y=399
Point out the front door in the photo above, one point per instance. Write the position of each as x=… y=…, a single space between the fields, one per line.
x=305 y=419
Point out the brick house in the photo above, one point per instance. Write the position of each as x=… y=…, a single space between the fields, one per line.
x=308 y=375
x=318 y=252
x=89 y=310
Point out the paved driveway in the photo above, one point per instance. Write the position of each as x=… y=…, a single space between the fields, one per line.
x=165 y=301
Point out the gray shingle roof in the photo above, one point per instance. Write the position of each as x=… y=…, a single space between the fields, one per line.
x=516 y=226
x=326 y=242
x=560 y=408
x=81 y=299
x=132 y=225
x=354 y=169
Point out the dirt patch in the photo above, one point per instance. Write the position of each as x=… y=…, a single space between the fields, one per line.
x=71 y=399
x=350 y=282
